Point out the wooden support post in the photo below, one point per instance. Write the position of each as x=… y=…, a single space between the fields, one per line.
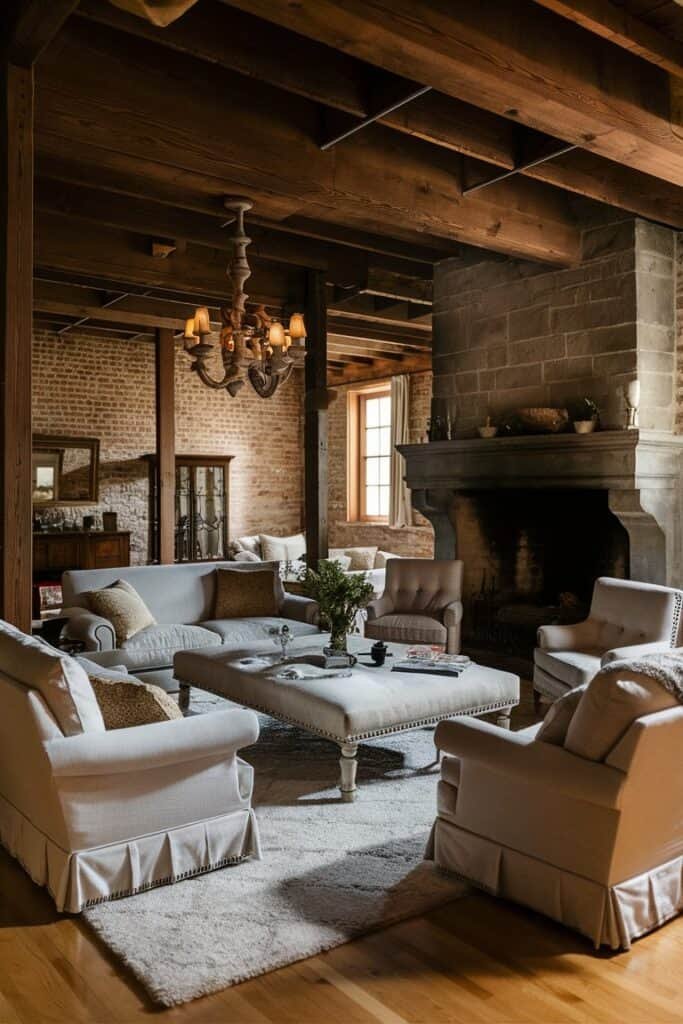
x=315 y=422
x=165 y=416
x=16 y=318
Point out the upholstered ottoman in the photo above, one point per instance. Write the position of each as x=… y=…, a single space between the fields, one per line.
x=370 y=702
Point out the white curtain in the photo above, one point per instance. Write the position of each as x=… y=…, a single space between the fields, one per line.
x=399 y=500
x=159 y=12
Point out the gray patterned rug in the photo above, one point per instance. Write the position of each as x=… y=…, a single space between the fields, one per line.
x=330 y=870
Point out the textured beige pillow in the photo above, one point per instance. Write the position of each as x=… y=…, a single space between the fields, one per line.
x=245 y=595
x=123 y=607
x=282 y=549
x=127 y=702
x=362 y=559
x=609 y=705
x=558 y=716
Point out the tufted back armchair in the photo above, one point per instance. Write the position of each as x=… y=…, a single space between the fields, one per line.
x=421 y=603
x=626 y=619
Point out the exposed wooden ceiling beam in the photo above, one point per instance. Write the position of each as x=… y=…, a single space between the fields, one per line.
x=106 y=314
x=220 y=35
x=364 y=307
x=616 y=24
x=118 y=259
x=394 y=334
x=350 y=87
x=33 y=24
x=342 y=265
x=55 y=167
x=514 y=60
x=376 y=181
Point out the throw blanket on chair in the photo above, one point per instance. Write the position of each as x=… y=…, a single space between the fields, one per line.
x=665 y=668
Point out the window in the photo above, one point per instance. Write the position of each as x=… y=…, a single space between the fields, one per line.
x=369 y=462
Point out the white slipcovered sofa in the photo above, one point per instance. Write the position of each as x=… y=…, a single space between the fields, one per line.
x=181 y=599
x=593 y=842
x=258 y=547
x=92 y=814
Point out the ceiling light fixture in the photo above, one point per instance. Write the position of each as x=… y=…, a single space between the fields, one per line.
x=254 y=346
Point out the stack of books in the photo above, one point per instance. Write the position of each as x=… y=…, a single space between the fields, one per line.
x=432 y=661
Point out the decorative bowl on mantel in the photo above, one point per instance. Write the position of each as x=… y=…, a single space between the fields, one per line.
x=539 y=420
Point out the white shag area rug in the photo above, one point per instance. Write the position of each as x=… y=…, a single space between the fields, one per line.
x=330 y=870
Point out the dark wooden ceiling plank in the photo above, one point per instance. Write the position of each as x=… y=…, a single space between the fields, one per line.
x=443 y=120
x=378 y=179
x=618 y=26
x=117 y=257
x=515 y=60
x=213 y=32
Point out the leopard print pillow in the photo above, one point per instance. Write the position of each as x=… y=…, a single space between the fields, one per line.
x=128 y=702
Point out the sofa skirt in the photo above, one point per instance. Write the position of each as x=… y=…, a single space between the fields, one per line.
x=608 y=915
x=80 y=879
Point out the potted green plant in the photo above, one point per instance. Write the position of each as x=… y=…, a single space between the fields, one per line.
x=585 y=415
x=340 y=596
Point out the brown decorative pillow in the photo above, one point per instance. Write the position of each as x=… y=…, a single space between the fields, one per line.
x=123 y=607
x=128 y=702
x=242 y=595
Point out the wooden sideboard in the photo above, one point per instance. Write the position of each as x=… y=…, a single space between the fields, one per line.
x=79 y=549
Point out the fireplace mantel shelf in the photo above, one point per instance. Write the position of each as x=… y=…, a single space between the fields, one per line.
x=609 y=459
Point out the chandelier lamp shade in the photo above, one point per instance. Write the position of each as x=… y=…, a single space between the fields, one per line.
x=254 y=346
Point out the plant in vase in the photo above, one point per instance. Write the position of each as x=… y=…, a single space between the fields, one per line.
x=340 y=596
x=585 y=415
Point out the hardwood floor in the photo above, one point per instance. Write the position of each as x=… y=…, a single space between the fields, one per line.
x=475 y=960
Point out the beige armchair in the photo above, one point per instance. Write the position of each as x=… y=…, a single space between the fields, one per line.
x=421 y=603
x=594 y=844
x=626 y=619
x=94 y=814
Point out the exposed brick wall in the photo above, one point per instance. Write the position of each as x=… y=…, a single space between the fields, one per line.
x=85 y=386
x=509 y=333
x=416 y=541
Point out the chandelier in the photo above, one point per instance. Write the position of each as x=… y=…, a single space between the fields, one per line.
x=254 y=346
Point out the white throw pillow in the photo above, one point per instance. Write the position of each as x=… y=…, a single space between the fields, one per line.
x=251 y=544
x=282 y=549
x=61 y=681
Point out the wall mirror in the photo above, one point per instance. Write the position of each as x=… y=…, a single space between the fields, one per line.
x=65 y=470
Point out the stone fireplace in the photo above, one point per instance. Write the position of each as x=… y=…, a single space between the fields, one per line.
x=537 y=518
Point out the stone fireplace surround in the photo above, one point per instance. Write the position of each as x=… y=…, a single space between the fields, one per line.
x=640 y=470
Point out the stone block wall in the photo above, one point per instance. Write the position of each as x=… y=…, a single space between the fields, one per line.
x=94 y=387
x=510 y=333
x=416 y=541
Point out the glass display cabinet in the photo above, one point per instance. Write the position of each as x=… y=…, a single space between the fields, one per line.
x=201 y=507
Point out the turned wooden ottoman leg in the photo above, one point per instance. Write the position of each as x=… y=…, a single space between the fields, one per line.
x=184 y=697
x=503 y=718
x=538 y=705
x=348 y=764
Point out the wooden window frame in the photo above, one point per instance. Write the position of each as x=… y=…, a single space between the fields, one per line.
x=355 y=461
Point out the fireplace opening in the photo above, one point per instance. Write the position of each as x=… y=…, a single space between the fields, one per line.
x=531 y=558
